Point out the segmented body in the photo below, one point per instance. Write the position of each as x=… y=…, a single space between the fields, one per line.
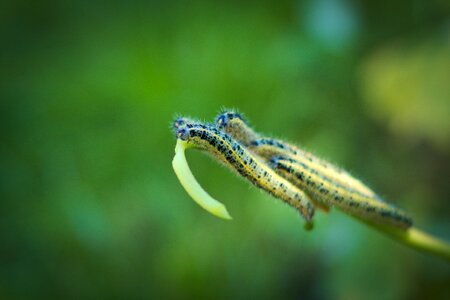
x=233 y=154
x=333 y=194
x=268 y=148
x=322 y=181
x=233 y=124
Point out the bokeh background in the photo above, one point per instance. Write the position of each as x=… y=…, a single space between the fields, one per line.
x=90 y=206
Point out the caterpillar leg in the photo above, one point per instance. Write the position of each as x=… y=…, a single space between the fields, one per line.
x=319 y=205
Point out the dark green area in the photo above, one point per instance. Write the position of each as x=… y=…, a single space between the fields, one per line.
x=90 y=207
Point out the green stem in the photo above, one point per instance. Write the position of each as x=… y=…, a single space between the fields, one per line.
x=417 y=239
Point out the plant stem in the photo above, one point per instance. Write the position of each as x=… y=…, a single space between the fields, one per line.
x=417 y=239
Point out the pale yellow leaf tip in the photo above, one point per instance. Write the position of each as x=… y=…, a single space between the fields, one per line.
x=191 y=185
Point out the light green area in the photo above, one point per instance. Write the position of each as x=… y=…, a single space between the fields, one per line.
x=191 y=185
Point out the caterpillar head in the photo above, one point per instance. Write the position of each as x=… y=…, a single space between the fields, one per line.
x=227 y=118
x=182 y=133
x=179 y=122
x=180 y=126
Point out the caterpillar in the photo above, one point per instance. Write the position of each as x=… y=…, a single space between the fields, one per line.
x=234 y=124
x=322 y=181
x=232 y=153
x=354 y=203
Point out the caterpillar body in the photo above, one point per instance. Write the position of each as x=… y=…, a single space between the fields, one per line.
x=322 y=181
x=232 y=153
x=234 y=124
x=332 y=194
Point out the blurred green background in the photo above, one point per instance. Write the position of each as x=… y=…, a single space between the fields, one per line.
x=90 y=206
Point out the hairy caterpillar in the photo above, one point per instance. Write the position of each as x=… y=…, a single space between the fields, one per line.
x=322 y=181
x=233 y=124
x=233 y=154
x=330 y=193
